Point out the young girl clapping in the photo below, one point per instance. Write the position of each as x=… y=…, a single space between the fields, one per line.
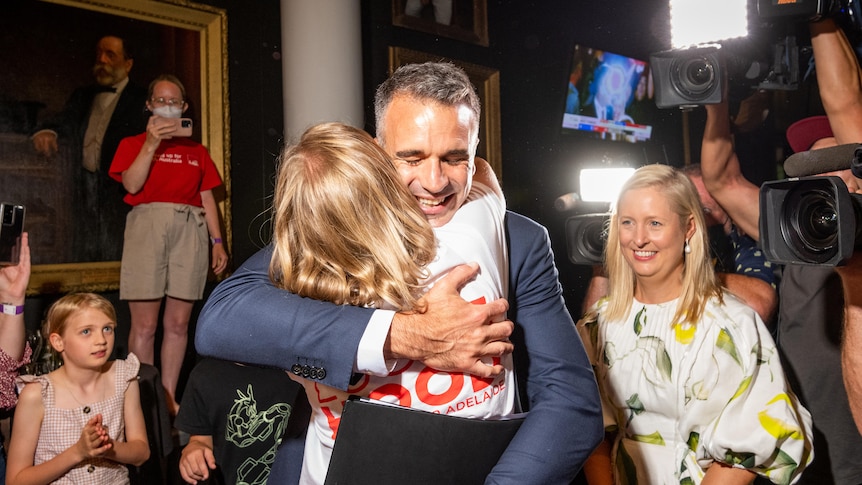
x=83 y=422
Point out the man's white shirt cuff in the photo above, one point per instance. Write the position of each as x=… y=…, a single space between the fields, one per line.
x=369 y=356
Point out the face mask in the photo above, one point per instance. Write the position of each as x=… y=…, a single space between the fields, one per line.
x=168 y=111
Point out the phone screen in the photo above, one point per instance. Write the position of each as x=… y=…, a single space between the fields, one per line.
x=11 y=226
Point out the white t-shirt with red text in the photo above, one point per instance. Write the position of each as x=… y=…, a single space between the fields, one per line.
x=475 y=233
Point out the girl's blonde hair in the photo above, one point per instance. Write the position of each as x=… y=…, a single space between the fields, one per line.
x=346 y=228
x=699 y=282
x=62 y=309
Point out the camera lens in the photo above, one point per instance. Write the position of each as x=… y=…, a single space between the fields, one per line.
x=594 y=237
x=699 y=72
x=586 y=236
x=821 y=223
x=810 y=224
x=694 y=76
x=816 y=221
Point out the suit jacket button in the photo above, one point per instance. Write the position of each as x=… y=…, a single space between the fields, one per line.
x=296 y=369
x=305 y=371
x=321 y=373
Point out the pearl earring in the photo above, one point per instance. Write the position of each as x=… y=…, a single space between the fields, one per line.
x=687 y=248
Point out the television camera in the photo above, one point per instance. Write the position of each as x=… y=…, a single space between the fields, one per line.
x=695 y=76
x=813 y=220
x=586 y=236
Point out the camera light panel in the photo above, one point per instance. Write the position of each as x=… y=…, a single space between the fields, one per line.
x=695 y=22
x=603 y=184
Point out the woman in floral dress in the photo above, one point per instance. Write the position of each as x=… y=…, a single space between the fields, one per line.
x=692 y=385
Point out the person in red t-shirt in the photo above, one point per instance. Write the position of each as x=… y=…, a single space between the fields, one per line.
x=169 y=179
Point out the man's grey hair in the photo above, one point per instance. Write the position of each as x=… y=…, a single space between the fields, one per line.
x=442 y=82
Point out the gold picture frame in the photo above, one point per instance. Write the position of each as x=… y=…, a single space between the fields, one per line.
x=188 y=37
x=487 y=83
x=468 y=22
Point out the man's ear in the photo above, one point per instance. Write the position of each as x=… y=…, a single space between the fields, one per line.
x=56 y=342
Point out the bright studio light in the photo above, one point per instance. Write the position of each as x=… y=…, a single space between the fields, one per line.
x=603 y=184
x=695 y=22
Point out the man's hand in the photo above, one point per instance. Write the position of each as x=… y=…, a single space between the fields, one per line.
x=452 y=334
x=45 y=143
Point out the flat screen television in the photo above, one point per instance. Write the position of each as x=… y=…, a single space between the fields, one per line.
x=609 y=96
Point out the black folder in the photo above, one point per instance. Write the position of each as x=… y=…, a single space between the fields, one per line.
x=380 y=443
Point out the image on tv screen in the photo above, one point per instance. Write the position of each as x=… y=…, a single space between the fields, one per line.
x=609 y=96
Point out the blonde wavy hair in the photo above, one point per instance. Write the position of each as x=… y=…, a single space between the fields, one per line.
x=699 y=282
x=59 y=313
x=346 y=228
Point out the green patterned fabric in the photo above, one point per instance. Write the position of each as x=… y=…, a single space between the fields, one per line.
x=685 y=396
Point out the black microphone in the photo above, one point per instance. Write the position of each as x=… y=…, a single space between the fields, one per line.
x=813 y=162
x=567 y=201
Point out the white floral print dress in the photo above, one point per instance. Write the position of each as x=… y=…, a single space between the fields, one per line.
x=685 y=396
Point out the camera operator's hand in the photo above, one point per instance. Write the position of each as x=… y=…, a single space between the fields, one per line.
x=753 y=111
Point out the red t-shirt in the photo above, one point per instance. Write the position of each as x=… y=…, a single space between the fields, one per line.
x=181 y=169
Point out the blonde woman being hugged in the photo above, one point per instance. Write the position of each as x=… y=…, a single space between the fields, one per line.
x=349 y=231
x=83 y=422
x=692 y=386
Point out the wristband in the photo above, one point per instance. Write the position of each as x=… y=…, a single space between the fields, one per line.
x=10 y=309
x=215 y=240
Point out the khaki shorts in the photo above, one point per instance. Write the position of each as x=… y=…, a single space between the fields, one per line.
x=165 y=252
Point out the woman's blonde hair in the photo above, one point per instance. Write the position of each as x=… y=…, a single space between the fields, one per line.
x=346 y=228
x=68 y=305
x=699 y=282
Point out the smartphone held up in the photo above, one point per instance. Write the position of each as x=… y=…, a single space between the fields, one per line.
x=11 y=227
x=184 y=127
